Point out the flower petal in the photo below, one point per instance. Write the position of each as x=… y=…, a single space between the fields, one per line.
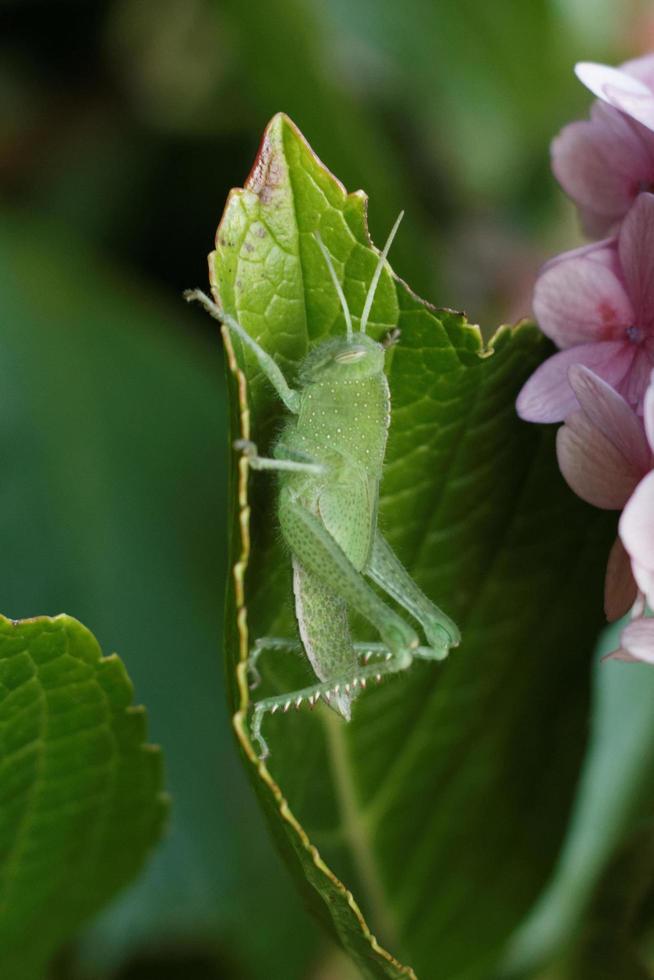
x=637 y=532
x=637 y=639
x=598 y=169
x=547 y=395
x=636 y=248
x=604 y=252
x=597 y=77
x=634 y=386
x=644 y=580
x=648 y=411
x=620 y=589
x=582 y=300
x=641 y=68
x=619 y=89
x=592 y=466
x=610 y=413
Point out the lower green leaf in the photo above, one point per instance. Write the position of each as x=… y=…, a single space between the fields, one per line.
x=81 y=799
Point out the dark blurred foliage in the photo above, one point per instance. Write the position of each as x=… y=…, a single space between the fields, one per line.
x=123 y=126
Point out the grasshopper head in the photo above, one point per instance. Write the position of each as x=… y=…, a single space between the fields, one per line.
x=343 y=359
x=356 y=356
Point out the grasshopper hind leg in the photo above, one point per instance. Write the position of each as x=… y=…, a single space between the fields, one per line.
x=347 y=685
x=323 y=623
x=387 y=571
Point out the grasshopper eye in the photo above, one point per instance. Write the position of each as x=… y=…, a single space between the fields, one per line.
x=350 y=356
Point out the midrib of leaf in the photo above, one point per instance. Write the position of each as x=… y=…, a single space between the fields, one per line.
x=356 y=830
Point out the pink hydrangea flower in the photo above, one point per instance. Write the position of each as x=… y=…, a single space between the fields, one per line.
x=604 y=162
x=597 y=303
x=604 y=453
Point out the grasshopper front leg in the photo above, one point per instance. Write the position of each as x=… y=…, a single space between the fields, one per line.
x=288 y=395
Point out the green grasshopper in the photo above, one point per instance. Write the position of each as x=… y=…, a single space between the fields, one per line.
x=329 y=458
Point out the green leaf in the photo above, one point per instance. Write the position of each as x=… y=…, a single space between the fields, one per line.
x=439 y=809
x=81 y=802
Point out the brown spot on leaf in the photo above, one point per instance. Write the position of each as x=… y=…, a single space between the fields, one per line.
x=266 y=174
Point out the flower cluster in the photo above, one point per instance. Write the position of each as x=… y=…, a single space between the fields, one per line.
x=597 y=304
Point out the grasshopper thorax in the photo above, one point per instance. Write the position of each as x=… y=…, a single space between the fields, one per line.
x=343 y=359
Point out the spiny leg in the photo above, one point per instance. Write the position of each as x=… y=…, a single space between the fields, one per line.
x=386 y=569
x=364 y=652
x=315 y=548
x=369 y=650
x=347 y=683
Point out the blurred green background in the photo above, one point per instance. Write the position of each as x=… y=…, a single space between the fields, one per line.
x=123 y=126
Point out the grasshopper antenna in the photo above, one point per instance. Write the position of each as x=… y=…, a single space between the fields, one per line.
x=339 y=289
x=377 y=273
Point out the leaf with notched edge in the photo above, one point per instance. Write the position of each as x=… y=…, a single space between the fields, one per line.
x=439 y=809
x=81 y=800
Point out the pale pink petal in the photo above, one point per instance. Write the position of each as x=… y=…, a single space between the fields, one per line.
x=581 y=300
x=636 y=251
x=632 y=153
x=644 y=580
x=611 y=414
x=637 y=105
x=547 y=395
x=635 y=384
x=619 y=585
x=600 y=172
x=637 y=533
x=604 y=252
x=592 y=466
x=641 y=68
x=596 y=77
x=637 y=639
x=619 y=89
x=648 y=411
x=629 y=146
